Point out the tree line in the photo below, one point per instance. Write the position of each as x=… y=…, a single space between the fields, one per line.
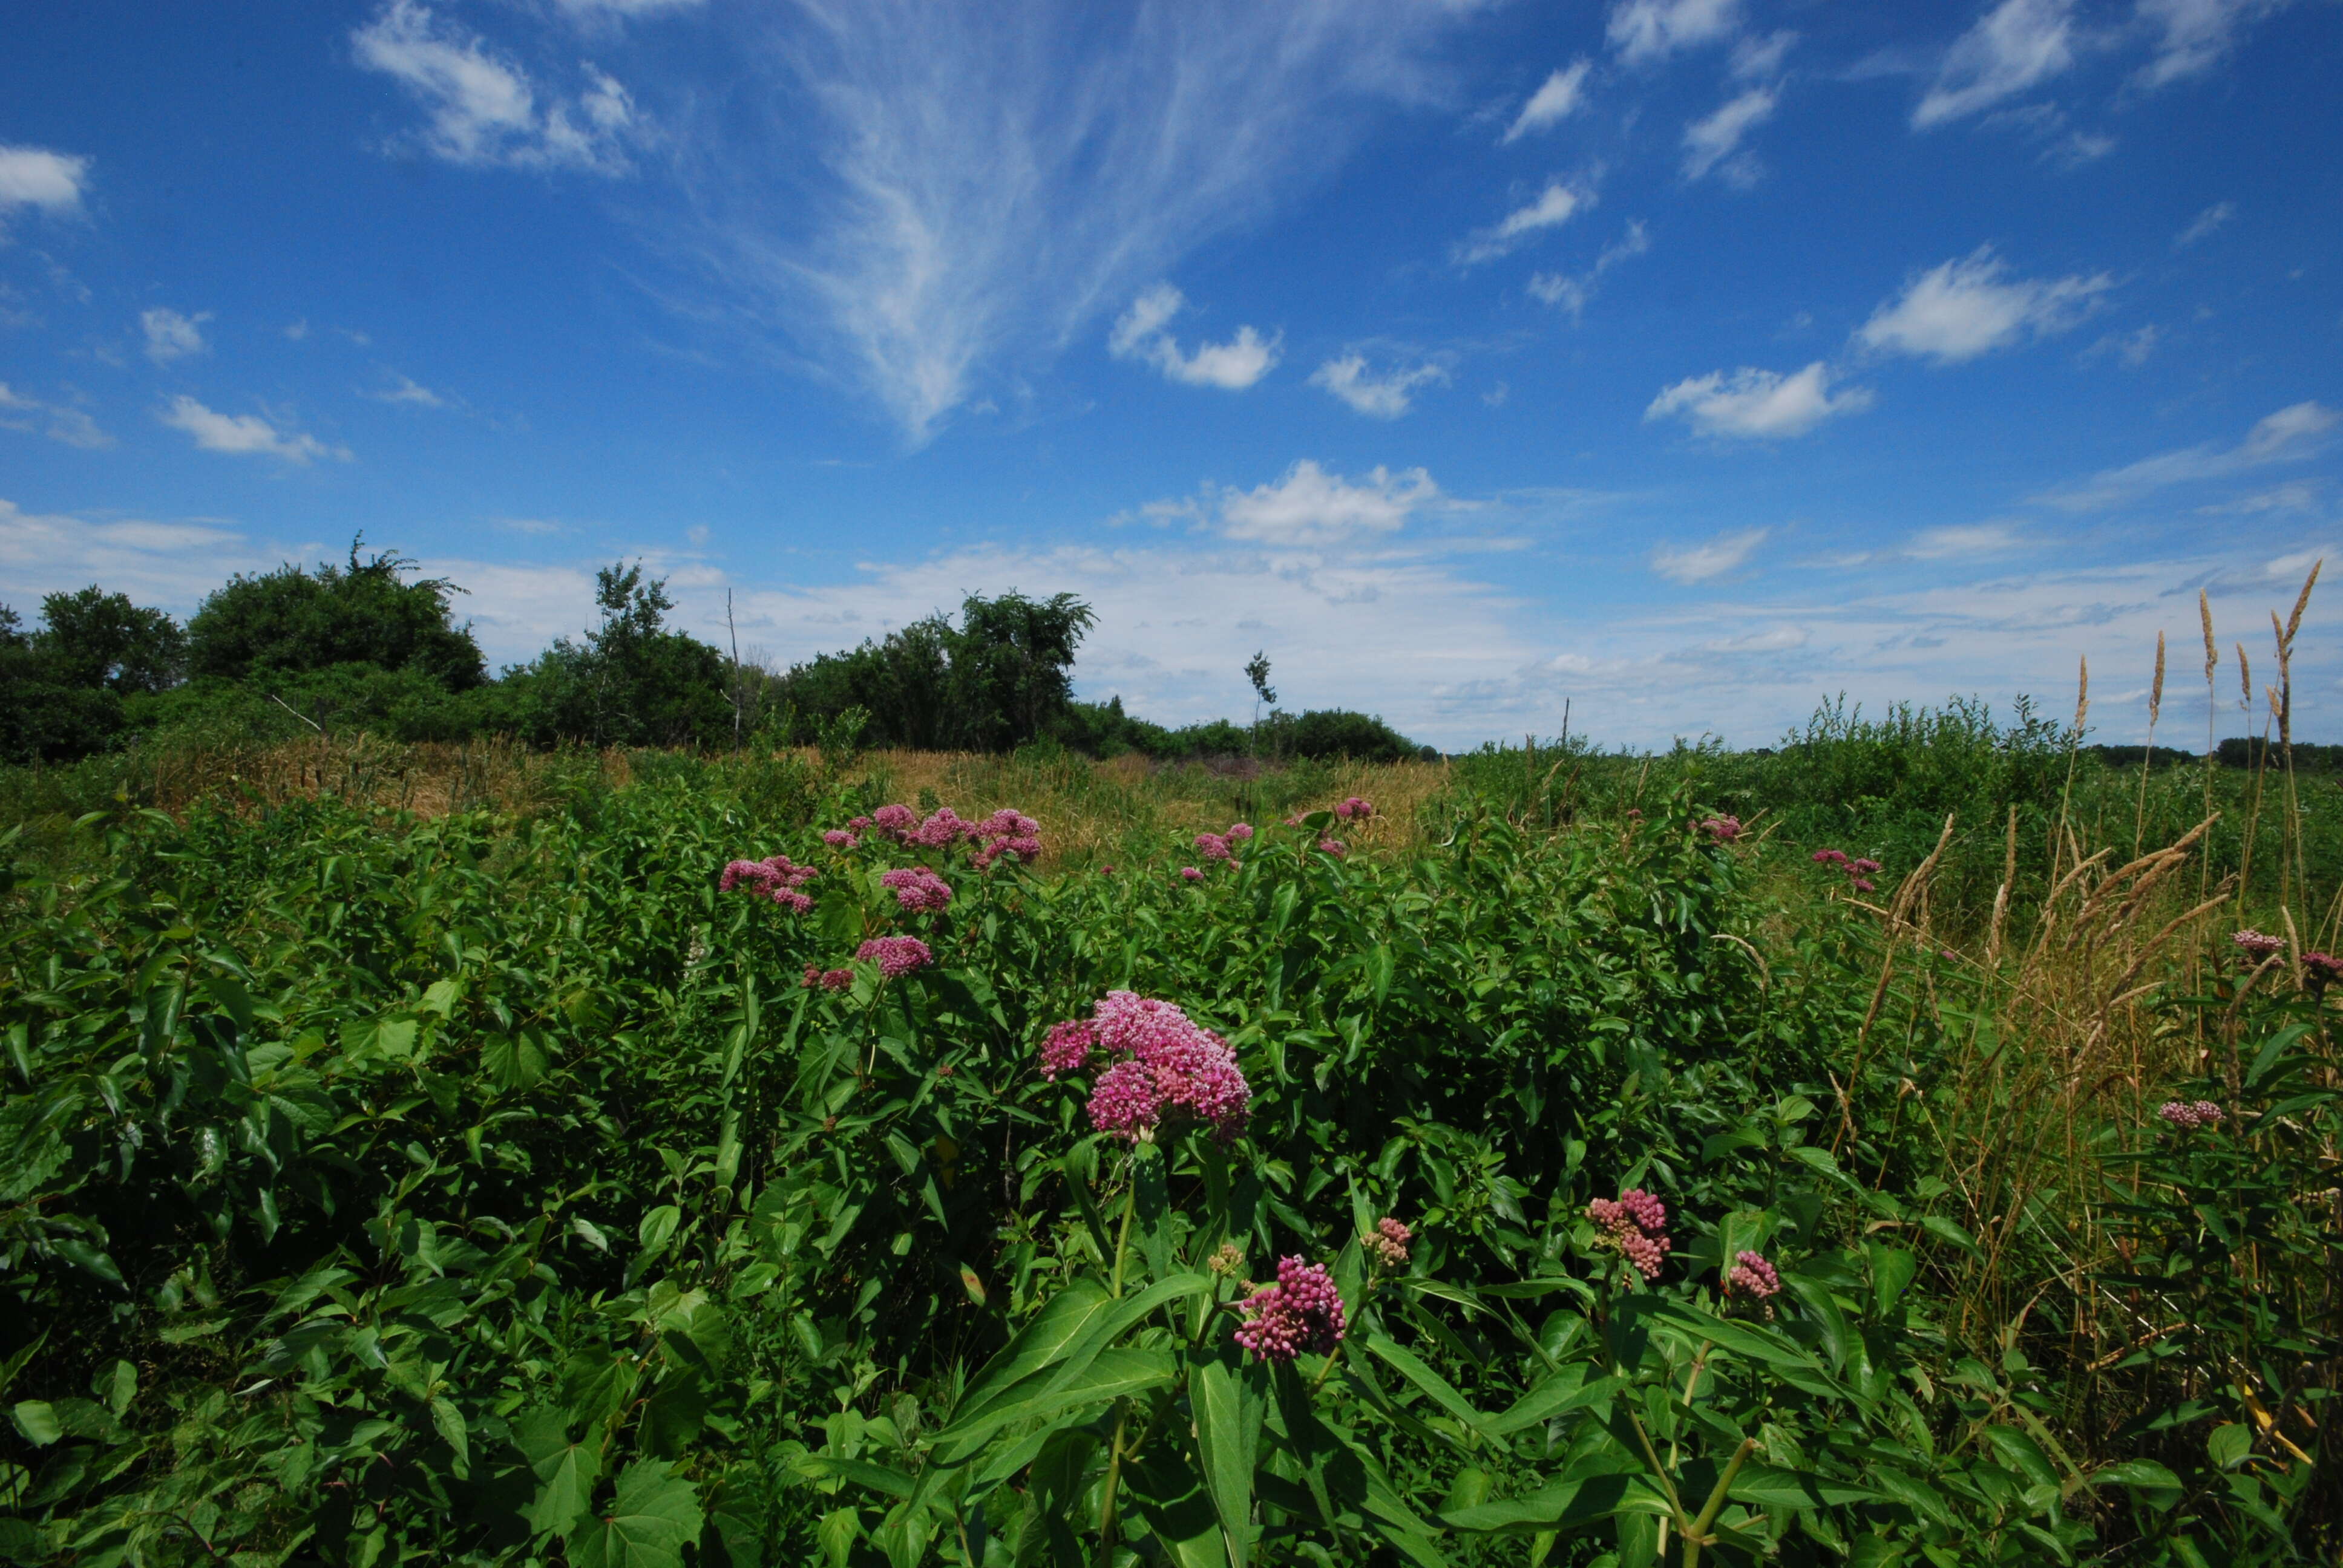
x=368 y=643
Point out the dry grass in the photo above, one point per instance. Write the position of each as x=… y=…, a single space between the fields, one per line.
x=429 y=780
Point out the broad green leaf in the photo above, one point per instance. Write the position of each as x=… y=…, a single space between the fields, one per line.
x=1565 y=1391
x=1229 y=1405
x=1407 y=1364
x=1171 y=1502
x=448 y=1422
x=1764 y=1486
x=1151 y=1210
x=837 y=1533
x=658 y=1227
x=1561 y=1505
x=1060 y=1323
x=36 y=1419
x=565 y=1471
x=1891 y=1269
x=646 y=1525
x=116 y=1384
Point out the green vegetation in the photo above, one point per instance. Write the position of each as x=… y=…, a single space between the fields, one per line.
x=492 y=1186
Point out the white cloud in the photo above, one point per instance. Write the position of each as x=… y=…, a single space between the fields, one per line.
x=403 y=389
x=483 y=109
x=1562 y=96
x=1961 y=540
x=2204 y=224
x=1141 y=334
x=1708 y=141
x=1754 y=58
x=1310 y=507
x=1571 y=294
x=2195 y=34
x=2298 y=496
x=1555 y=206
x=59 y=422
x=2133 y=347
x=594 y=11
x=2295 y=432
x=926 y=201
x=1704 y=562
x=170 y=564
x=171 y=336
x=1384 y=396
x=37 y=177
x=245 y=434
x=1963 y=308
x=1757 y=405
x=1654 y=29
x=2012 y=48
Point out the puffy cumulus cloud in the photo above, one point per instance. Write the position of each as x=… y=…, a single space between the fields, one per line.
x=1379 y=397
x=171 y=336
x=1562 y=94
x=1555 y=205
x=36 y=178
x=482 y=109
x=1757 y=405
x=245 y=434
x=1568 y=292
x=1142 y=332
x=1653 y=29
x=1970 y=305
x=57 y=421
x=1712 y=140
x=1708 y=560
x=2012 y=48
x=1312 y=508
x=2192 y=36
x=2297 y=431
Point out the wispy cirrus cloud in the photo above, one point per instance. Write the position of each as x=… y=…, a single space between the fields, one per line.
x=1970 y=305
x=2297 y=431
x=1552 y=207
x=1644 y=30
x=1709 y=559
x=57 y=421
x=1570 y=292
x=1385 y=395
x=1712 y=140
x=924 y=200
x=2192 y=36
x=1562 y=94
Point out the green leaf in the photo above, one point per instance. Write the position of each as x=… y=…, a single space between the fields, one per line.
x=116 y=1384
x=1764 y=1486
x=86 y=1258
x=2143 y=1475
x=2228 y=1445
x=448 y=1422
x=37 y=1420
x=1230 y=1405
x=1172 y=1502
x=1565 y=1391
x=1151 y=1210
x=1891 y=1269
x=565 y=1471
x=658 y=1227
x=1406 y=1363
x=1060 y=1323
x=1944 y=1229
x=648 y=1524
x=517 y=1061
x=1561 y=1505
x=837 y=1533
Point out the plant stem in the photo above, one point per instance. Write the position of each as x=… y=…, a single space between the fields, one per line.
x=1123 y=1239
x=1697 y=1535
x=1113 y=1478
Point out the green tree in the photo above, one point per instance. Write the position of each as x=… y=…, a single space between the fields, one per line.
x=632 y=680
x=94 y=639
x=298 y=619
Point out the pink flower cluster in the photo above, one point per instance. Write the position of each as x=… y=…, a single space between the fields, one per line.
x=1637 y=1224
x=1334 y=846
x=918 y=890
x=2190 y=1115
x=1167 y=1067
x=827 y=980
x=1301 y=1312
x=839 y=838
x=1005 y=832
x=1752 y=1277
x=775 y=879
x=1354 y=810
x=1858 y=871
x=2320 y=970
x=1224 y=846
x=1192 y=874
x=1724 y=829
x=1388 y=1241
x=2257 y=945
x=896 y=955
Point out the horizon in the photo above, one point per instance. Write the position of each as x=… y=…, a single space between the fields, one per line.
x=1687 y=362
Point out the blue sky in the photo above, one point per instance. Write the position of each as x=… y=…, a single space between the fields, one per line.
x=1687 y=361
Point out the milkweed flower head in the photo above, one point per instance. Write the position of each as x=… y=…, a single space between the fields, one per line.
x=1228 y=1261
x=1862 y=867
x=1303 y=1311
x=839 y=838
x=2320 y=970
x=1192 y=874
x=895 y=956
x=918 y=890
x=2256 y=945
x=1752 y=1278
x=1863 y=885
x=776 y=877
x=1214 y=846
x=2190 y=1114
x=1724 y=829
x=1354 y=810
x=1388 y=1241
x=1334 y=846
x=894 y=822
x=1830 y=857
x=825 y=980
x=1011 y=833
x=1637 y=1225
x=1239 y=832
x=1164 y=1068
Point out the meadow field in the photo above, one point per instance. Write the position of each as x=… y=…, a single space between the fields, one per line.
x=1881 y=1149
